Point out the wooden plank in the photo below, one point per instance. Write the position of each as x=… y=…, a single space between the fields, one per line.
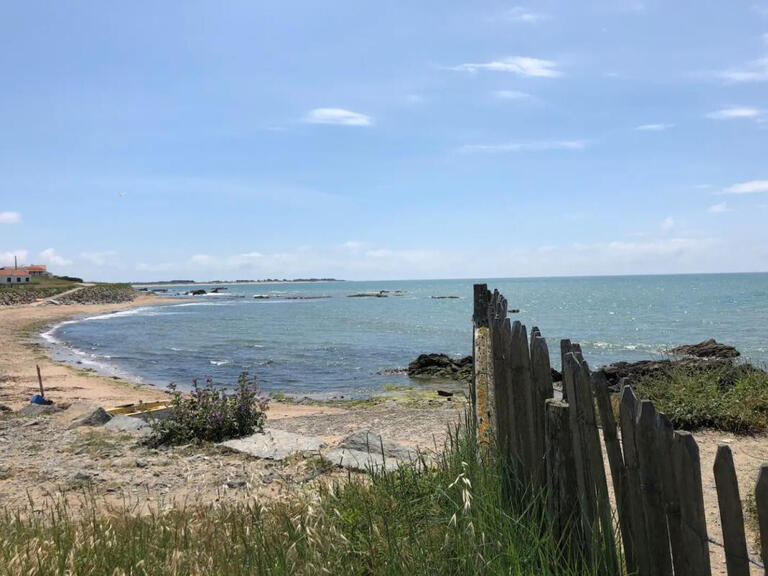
x=585 y=401
x=522 y=390
x=628 y=405
x=562 y=499
x=761 y=500
x=670 y=496
x=479 y=372
x=616 y=462
x=481 y=296
x=693 y=524
x=731 y=513
x=541 y=375
x=657 y=536
x=571 y=370
x=565 y=348
x=502 y=388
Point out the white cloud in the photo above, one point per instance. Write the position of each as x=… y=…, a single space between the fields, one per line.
x=754 y=71
x=668 y=223
x=50 y=256
x=750 y=187
x=353 y=245
x=521 y=65
x=736 y=113
x=654 y=127
x=6 y=258
x=338 y=116
x=540 y=146
x=98 y=258
x=718 y=208
x=511 y=95
x=10 y=217
x=525 y=15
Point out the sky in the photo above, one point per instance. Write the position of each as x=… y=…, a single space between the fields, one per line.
x=387 y=140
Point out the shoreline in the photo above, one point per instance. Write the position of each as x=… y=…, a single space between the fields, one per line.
x=21 y=325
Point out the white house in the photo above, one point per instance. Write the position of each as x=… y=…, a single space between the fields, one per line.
x=12 y=277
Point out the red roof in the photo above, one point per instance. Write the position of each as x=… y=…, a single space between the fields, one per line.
x=36 y=268
x=12 y=272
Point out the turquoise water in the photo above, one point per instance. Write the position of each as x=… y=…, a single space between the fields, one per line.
x=337 y=345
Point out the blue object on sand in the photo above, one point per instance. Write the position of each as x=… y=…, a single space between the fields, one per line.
x=37 y=399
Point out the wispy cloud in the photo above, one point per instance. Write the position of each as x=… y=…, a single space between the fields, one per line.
x=526 y=15
x=521 y=65
x=737 y=113
x=10 y=217
x=99 y=258
x=537 y=146
x=511 y=95
x=718 y=208
x=654 y=127
x=668 y=223
x=750 y=187
x=754 y=71
x=7 y=258
x=338 y=116
x=50 y=256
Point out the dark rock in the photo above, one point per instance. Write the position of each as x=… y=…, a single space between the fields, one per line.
x=444 y=393
x=514 y=311
x=261 y=297
x=141 y=463
x=444 y=297
x=4 y=408
x=218 y=289
x=199 y=292
x=393 y=372
x=239 y=483
x=620 y=373
x=441 y=366
x=83 y=476
x=380 y=294
x=98 y=417
x=706 y=349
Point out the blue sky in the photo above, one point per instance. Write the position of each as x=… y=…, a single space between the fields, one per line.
x=146 y=140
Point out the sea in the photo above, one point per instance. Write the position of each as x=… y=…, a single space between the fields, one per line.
x=314 y=339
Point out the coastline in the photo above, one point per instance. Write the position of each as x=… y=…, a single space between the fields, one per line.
x=63 y=382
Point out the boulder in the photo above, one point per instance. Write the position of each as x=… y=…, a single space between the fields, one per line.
x=707 y=349
x=128 y=424
x=441 y=366
x=40 y=409
x=98 y=417
x=368 y=450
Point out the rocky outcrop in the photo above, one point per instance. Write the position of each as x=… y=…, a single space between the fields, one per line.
x=707 y=349
x=100 y=294
x=441 y=366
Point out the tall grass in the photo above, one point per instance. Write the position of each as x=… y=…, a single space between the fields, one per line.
x=464 y=514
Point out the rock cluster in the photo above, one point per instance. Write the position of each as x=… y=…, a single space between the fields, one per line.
x=441 y=366
x=707 y=349
x=100 y=294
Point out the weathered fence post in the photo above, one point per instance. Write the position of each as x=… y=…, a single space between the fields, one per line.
x=616 y=462
x=541 y=375
x=562 y=499
x=669 y=493
x=731 y=513
x=627 y=414
x=656 y=533
x=522 y=397
x=481 y=350
x=761 y=501
x=693 y=523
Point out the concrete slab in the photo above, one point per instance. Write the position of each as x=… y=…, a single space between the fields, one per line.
x=367 y=450
x=275 y=444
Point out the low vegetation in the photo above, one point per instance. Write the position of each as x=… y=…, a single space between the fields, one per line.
x=462 y=515
x=37 y=289
x=211 y=414
x=101 y=294
x=731 y=398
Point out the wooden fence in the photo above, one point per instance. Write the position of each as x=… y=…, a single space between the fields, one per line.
x=657 y=525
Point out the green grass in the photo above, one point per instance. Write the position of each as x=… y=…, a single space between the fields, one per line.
x=463 y=515
x=732 y=399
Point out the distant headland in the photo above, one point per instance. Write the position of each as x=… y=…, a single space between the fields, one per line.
x=215 y=282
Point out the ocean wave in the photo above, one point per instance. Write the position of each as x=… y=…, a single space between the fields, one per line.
x=218 y=362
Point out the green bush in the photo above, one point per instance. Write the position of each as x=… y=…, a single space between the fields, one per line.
x=209 y=413
x=728 y=398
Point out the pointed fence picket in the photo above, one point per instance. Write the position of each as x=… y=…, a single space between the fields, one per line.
x=557 y=445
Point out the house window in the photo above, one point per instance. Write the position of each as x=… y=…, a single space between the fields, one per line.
x=18 y=279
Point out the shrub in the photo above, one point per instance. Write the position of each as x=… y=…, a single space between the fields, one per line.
x=211 y=414
x=729 y=398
